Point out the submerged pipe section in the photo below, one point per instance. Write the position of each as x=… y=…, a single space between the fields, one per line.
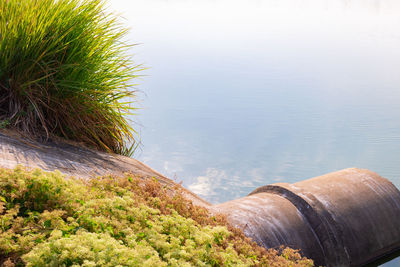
x=345 y=218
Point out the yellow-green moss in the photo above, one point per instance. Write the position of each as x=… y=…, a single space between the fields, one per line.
x=47 y=220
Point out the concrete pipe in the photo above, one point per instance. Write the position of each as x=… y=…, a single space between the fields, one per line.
x=346 y=218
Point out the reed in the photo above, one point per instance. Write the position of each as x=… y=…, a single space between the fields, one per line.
x=65 y=71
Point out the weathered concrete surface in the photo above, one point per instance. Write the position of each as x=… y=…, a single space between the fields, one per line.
x=346 y=218
x=75 y=160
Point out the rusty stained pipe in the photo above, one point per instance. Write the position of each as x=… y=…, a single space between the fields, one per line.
x=345 y=218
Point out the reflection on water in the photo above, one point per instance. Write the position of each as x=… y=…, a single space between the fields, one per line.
x=246 y=93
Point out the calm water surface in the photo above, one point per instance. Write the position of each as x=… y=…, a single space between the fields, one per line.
x=246 y=93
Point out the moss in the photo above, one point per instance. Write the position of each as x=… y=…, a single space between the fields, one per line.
x=46 y=219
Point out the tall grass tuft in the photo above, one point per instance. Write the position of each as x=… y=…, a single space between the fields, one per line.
x=65 y=71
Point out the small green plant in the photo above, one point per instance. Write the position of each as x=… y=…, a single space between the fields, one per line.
x=4 y=124
x=47 y=220
x=65 y=71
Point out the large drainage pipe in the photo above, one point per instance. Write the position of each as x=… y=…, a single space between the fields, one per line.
x=346 y=218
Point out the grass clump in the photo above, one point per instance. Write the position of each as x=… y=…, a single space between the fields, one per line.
x=47 y=220
x=64 y=71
